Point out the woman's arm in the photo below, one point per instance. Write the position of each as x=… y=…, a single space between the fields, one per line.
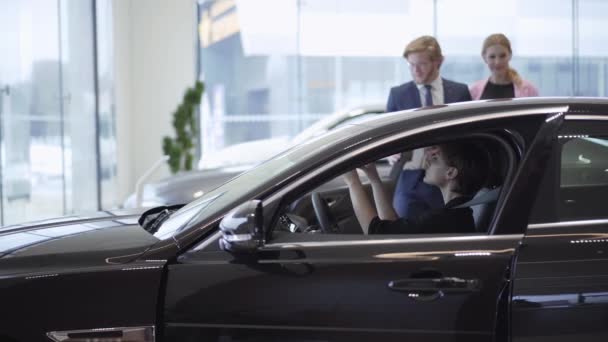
x=381 y=197
x=362 y=206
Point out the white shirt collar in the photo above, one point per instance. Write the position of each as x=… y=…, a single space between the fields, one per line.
x=436 y=91
x=435 y=84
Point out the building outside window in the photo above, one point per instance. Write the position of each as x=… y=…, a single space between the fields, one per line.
x=49 y=142
x=272 y=67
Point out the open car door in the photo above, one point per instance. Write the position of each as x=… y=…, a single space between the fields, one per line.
x=345 y=287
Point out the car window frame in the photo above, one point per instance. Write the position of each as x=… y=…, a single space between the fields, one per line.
x=368 y=154
x=548 y=216
x=519 y=124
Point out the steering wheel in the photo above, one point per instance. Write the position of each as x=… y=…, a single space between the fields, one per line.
x=326 y=219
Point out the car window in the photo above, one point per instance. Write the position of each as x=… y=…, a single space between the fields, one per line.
x=330 y=208
x=576 y=180
x=251 y=182
x=584 y=162
x=583 y=184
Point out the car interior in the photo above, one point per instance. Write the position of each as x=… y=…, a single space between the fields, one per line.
x=327 y=209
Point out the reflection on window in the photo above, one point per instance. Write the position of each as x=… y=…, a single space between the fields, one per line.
x=48 y=109
x=274 y=67
x=584 y=177
x=585 y=162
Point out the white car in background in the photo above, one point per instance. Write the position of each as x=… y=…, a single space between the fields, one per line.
x=218 y=167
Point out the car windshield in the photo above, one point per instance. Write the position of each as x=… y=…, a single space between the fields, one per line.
x=251 y=183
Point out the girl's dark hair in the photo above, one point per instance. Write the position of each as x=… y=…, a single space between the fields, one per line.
x=471 y=160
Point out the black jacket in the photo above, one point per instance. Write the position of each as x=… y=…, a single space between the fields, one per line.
x=445 y=220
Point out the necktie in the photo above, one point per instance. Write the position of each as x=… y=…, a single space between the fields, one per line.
x=428 y=97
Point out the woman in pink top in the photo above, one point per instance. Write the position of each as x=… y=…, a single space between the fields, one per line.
x=504 y=82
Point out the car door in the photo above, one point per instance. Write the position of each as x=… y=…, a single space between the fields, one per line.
x=561 y=281
x=317 y=287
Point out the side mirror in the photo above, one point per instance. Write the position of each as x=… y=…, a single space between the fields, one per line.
x=242 y=228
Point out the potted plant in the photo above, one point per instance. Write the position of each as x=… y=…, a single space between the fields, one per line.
x=181 y=148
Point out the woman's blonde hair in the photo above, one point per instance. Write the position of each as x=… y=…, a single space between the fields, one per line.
x=502 y=40
x=424 y=44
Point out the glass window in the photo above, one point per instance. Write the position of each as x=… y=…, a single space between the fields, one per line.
x=48 y=150
x=540 y=33
x=585 y=162
x=576 y=178
x=31 y=139
x=273 y=67
x=78 y=105
x=593 y=61
x=584 y=177
x=337 y=208
x=106 y=111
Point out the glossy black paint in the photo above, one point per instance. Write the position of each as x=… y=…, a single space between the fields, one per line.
x=96 y=240
x=106 y=271
x=336 y=291
x=61 y=274
x=516 y=212
x=96 y=297
x=561 y=289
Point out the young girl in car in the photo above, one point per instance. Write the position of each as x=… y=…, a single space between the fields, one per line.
x=458 y=169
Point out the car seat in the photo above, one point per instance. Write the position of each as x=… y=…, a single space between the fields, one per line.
x=483 y=205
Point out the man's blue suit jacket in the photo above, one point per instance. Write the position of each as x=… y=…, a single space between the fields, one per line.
x=412 y=196
x=407 y=96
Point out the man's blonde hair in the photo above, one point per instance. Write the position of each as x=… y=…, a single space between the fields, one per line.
x=424 y=44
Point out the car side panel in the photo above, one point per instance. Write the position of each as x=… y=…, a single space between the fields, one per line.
x=561 y=286
x=337 y=292
x=560 y=290
x=114 y=296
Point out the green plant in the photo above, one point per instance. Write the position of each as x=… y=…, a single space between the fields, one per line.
x=181 y=148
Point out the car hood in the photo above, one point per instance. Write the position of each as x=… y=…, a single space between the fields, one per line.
x=72 y=242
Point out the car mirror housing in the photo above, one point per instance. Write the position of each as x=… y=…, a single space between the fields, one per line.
x=242 y=228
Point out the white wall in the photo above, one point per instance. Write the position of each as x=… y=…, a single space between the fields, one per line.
x=155 y=61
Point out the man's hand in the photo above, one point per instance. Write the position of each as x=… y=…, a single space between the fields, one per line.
x=429 y=153
x=394 y=159
x=419 y=157
x=417 y=160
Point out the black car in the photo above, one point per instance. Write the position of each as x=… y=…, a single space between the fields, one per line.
x=277 y=255
x=220 y=166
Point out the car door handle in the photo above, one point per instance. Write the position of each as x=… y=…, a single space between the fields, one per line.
x=425 y=289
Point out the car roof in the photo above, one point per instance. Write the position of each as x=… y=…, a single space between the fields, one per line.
x=329 y=122
x=463 y=110
x=333 y=142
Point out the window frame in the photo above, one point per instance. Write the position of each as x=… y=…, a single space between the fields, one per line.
x=546 y=208
x=520 y=125
x=510 y=144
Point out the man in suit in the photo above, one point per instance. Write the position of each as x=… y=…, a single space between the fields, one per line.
x=412 y=196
